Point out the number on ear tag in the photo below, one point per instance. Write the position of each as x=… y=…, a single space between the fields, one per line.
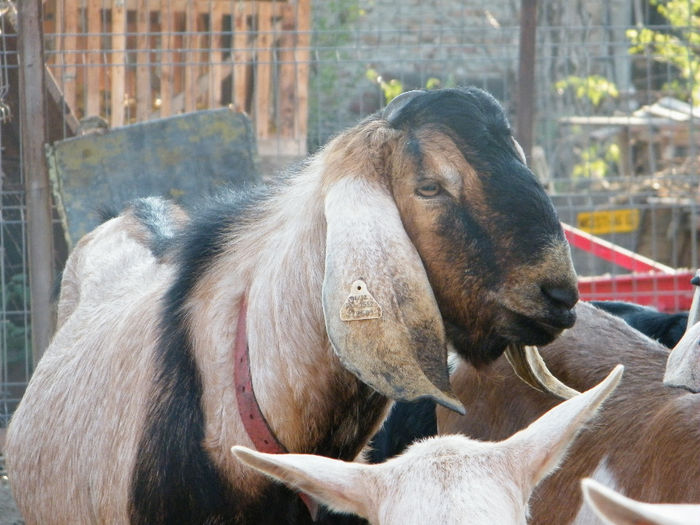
x=360 y=304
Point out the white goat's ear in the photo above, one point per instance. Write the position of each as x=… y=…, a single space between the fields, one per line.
x=337 y=484
x=545 y=441
x=617 y=509
x=381 y=315
x=683 y=364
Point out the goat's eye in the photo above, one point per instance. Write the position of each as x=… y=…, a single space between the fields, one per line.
x=429 y=189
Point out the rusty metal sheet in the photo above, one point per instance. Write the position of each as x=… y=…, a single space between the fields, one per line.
x=183 y=158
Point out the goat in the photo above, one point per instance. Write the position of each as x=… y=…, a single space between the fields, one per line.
x=446 y=479
x=616 y=509
x=646 y=435
x=339 y=287
x=663 y=327
x=683 y=365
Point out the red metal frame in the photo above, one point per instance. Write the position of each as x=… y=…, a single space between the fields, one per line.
x=651 y=283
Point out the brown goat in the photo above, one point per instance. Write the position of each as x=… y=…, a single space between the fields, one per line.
x=345 y=281
x=645 y=442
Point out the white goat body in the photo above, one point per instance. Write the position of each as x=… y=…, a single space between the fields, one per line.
x=447 y=479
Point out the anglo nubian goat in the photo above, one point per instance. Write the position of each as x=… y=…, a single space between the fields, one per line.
x=646 y=440
x=337 y=288
x=445 y=480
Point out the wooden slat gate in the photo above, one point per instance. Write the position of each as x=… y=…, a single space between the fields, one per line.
x=134 y=60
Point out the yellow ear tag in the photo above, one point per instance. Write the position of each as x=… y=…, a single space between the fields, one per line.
x=360 y=304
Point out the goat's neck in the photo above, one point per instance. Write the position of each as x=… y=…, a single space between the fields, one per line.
x=311 y=402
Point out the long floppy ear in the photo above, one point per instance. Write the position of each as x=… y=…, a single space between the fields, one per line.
x=339 y=485
x=381 y=315
x=544 y=442
x=617 y=509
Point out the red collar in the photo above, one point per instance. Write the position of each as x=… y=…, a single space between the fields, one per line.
x=254 y=422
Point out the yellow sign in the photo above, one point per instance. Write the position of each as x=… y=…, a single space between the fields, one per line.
x=608 y=221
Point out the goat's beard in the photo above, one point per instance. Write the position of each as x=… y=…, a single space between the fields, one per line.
x=479 y=351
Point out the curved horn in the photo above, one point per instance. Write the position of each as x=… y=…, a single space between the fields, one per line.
x=529 y=366
x=393 y=110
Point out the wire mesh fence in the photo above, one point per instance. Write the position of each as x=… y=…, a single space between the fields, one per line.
x=616 y=128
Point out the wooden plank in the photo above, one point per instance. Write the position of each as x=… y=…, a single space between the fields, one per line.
x=51 y=30
x=94 y=58
x=143 y=57
x=287 y=84
x=202 y=6
x=216 y=19
x=69 y=73
x=241 y=56
x=190 y=57
x=118 y=64
x=167 y=25
x=263 y=70
x=302 y=52
x=32 y=117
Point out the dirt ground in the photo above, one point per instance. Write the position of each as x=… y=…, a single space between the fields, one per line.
x=8 y=511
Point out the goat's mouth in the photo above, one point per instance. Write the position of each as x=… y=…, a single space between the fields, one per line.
x=528 y=330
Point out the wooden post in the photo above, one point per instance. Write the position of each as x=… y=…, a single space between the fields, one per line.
x=216 y=17
x=167 y=26
x=302 y=59
x=118 y=69
x=287 y=86
x=241 y=56
x=69 y=75
x=526 y=76
x=143 y=58
x=263 y=70
x=94 y=58
x=32 y=85
x=190 y=56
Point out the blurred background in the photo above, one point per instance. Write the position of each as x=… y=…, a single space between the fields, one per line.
x=604 y=96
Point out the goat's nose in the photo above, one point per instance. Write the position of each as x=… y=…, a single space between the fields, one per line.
x=561 y=296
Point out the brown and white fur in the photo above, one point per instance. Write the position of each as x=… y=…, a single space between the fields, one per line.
x=130 y=415
x=646 y=440
x=447 y=479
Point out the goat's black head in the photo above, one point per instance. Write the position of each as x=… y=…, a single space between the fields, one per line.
x=486 y=234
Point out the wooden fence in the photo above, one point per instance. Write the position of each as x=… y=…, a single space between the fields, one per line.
x=133 y=60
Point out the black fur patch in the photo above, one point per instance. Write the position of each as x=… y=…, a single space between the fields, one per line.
x=352 y=424
x=154 y=213
x=662 y=327
x=174 y=480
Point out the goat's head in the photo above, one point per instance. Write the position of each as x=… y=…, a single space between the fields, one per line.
x=430 y=206
x=447 y=479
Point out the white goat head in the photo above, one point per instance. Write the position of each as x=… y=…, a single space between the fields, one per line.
x=683 y=365
x=447 y=479
x=616 y=509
